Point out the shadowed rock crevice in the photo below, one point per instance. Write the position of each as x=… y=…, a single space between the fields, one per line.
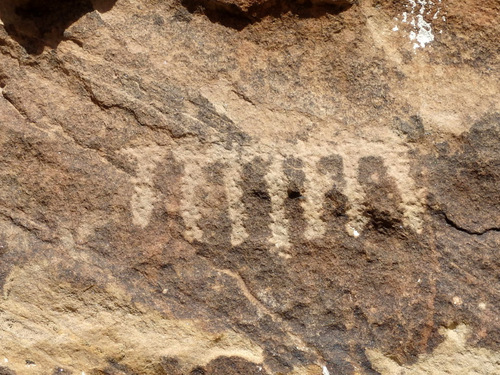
x=465 y=185
x=238 y=14
x=452 y=224
x=35 y=24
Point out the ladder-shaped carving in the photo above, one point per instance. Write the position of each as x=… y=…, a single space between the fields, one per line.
x=261 y=189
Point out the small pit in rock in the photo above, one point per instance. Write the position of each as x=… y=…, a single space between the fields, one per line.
x=382 y=221
x=262 y=195
x=294 y=194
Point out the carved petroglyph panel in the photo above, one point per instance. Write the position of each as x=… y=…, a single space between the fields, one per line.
x=304 y=172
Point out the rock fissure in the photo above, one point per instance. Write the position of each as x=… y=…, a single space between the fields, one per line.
x=36 y=229
x=13 y=104
x=239 y=14
x=466 y=230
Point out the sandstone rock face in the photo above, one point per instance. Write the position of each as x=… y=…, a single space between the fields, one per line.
x=249 y=187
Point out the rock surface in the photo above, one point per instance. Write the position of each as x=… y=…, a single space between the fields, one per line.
x=249 y=187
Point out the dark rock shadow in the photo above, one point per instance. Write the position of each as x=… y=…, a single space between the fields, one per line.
x=229 y=14
x=35 y=24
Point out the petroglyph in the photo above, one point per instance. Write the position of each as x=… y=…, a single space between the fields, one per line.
x=190 y=210
x=322 y=173
x=396 y=161
x=235 y=204
x=144 y=198
x=278 y=193
x=304 y=171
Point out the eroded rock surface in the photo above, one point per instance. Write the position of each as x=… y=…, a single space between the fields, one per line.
x=249 y=187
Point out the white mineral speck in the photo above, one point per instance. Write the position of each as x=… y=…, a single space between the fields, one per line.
x=395 y=28
x=422 y=8
x=424 y=35
x=325 y=371
x=421 y=29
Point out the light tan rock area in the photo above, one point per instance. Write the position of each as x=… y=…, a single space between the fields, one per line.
x=223 y=187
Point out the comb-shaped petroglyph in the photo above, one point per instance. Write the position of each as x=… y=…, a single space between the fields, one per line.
x=324 y=165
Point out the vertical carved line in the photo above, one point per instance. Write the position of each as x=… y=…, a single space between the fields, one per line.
x=316 y=185
x=277 y=191
x=190 y=212
x=323 y=175
x=145 y=197
x=232 y=177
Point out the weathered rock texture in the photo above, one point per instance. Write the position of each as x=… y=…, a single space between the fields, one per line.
x=249 y=187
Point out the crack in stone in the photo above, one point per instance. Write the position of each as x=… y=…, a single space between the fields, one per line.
x=465 y=230
x=38 y=230
x=238 y=14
